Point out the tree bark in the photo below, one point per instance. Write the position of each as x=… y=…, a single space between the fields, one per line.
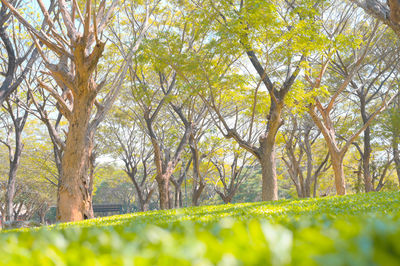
x=337 y=156
x=269 y=178
x=10 y=193
x=337 y=164
x=74 y=197
x=366 y=156
x=163 y=190
x=396 y=157
x=267 y=154
x=197 y=190
x=14 y=158
x=310 y=165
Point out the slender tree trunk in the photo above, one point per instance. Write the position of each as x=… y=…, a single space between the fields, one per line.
x=10 y=193
x=366 y=159
x=12 y=175
x=180 y=198
x=367 y=146
x=74 y=197
x=315 y=186
x=396 y=157
x=310 y=166
x=138 y=189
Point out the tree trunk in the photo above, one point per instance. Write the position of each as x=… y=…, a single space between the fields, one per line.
x=396 y=157
x=163 y=190
x=337 y=164
x=310 y=165
x=328 y=131
x=267 y=154
x=12 y=175
x=74 y=197
x=367 y=145
x=141 y=200
x=366 y=159
x=268 y=167
x=196 y=194
x=10 y=193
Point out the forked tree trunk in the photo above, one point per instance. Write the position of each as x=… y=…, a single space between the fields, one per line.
x=226 y=198
x=337 y=156
x=74 y=197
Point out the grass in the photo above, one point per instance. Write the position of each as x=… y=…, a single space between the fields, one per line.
x=361 y=229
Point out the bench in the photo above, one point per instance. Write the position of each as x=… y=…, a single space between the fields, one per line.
x=103 y=208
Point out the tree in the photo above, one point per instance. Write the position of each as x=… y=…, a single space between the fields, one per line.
x=122 y=137
x=15 y=127
x=368 y=85
x=324 y=121
x=276 y=57
x=20 y=55
x=301 y=140
x=75 y=74
x=231 y=176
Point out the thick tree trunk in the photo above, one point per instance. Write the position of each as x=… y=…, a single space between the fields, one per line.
x=197 y=190
x=269 y=177
x=337 y=165
x=226 y=198
x=163 y=190
x=74 y=197
x=267 y=154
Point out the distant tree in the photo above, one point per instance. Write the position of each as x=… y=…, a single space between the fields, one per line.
x=301 y=155
x=13 y=123
x=231 y=175
x=322 y=113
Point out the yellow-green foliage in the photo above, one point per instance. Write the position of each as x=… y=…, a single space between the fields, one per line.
x=353 y=230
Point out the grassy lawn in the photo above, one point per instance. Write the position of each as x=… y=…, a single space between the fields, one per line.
x=361 y=229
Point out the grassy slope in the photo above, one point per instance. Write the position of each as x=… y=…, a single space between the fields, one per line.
x=352 y=230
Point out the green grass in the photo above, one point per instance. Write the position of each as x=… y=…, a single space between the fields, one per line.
x=359 y=229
